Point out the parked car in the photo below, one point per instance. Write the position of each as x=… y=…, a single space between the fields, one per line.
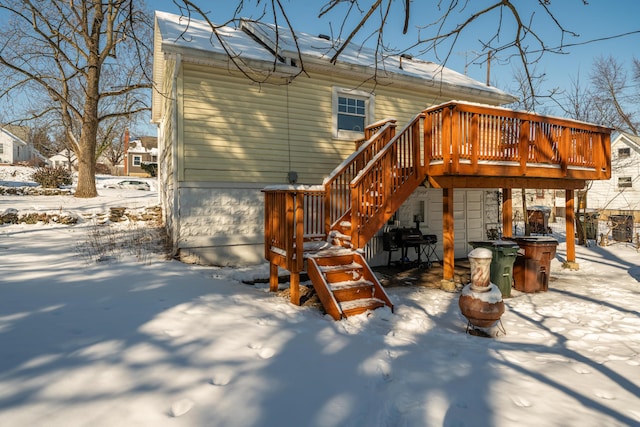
x=130 y=185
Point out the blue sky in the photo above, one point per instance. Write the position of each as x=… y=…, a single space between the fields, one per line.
x=598 y=20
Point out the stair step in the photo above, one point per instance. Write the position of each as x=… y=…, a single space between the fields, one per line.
x=345 y=275
x=349 y=284
x=354 y=307
x=352 y=290
x=339 y=267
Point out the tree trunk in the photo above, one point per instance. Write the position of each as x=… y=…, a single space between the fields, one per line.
x=87 y=145
x=86 y=168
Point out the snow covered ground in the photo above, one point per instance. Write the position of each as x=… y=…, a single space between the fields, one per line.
x=142 y=341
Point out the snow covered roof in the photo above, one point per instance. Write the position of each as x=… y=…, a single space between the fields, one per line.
x=265 y=42
x=64 y=155
x=633 y=141
x=11 y=137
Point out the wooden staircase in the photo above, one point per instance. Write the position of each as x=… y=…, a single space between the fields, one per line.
x=345 y=284
x=453 y=145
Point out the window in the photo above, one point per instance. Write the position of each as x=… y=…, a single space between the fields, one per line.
x=1 y=148
x=137 y=160
x=539 y=194
x=352 y=111
x=624 y=182
x=624 y=152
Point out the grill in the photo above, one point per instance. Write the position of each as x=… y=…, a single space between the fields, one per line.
x=405 y=238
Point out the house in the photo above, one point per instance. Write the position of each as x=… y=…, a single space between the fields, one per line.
x=64 y=159
x=138 y=152
x=619 y=196
x=14 y=150
x=228 y=128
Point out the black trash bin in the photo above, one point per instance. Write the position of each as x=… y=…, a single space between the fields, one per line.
x=621 y=227
x=538 y=219
x=533 y=264
x=503 y=256
x=587 y=223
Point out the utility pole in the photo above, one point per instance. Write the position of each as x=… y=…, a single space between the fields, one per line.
x=489 y=68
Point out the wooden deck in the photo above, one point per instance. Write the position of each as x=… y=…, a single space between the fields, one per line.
x=449 y=146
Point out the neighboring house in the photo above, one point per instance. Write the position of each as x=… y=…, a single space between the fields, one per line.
x=222 y=138
x=65 y=159
x=140 y=151
x=14 y=150
x=620 y=194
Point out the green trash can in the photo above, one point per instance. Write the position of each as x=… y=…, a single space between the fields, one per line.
x=504 y=255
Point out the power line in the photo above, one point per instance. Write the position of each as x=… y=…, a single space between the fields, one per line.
x=601 y=39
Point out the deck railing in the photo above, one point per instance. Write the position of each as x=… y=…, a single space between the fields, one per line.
x=293 y=216
x=452 y=139
x=383 y=181
x=469 y=139
x=337 y=184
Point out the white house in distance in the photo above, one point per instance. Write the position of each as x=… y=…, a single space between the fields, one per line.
x=621 y=194
x=63 y=158
x=222 y=138
x=15 y=150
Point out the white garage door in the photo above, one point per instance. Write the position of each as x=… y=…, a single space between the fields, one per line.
x=468 y=208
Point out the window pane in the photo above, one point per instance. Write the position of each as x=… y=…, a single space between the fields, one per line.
x=348 y=122
x=351 y=114
x=624 y=182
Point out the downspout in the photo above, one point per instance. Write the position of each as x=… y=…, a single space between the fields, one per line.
x=175 y=212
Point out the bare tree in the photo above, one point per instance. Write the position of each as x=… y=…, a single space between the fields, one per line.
x=614 y=97
x=112 y=147
x=70 y=60
x=514 y=31
x=611 y=101
x=578 y=102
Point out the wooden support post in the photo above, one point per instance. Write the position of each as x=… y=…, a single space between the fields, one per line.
x=273 y=277
x=507 y=213
x=294 y=286
x=570 y=230
x=447 y=239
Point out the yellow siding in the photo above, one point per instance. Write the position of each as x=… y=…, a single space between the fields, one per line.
x=236 y=131
x=158 y=76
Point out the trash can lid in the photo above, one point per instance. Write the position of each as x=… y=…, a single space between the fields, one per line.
x=532 y=240
x=481 y=253
x=505 y=243
x=539 y=208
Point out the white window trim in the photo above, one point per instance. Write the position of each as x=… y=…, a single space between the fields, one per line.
x=625 y=180
x=627 y=153
x=369 y=99
x=133 y=161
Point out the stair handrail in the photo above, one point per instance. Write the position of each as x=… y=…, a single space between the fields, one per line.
x=337 y=183
x=392 y=166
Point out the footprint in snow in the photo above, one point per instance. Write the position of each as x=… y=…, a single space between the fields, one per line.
x=266 y=353
x=221 y=376
x=181 y=407
x=520 y=401
x=604 y=394
x=172 y=333
x=580 y=369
